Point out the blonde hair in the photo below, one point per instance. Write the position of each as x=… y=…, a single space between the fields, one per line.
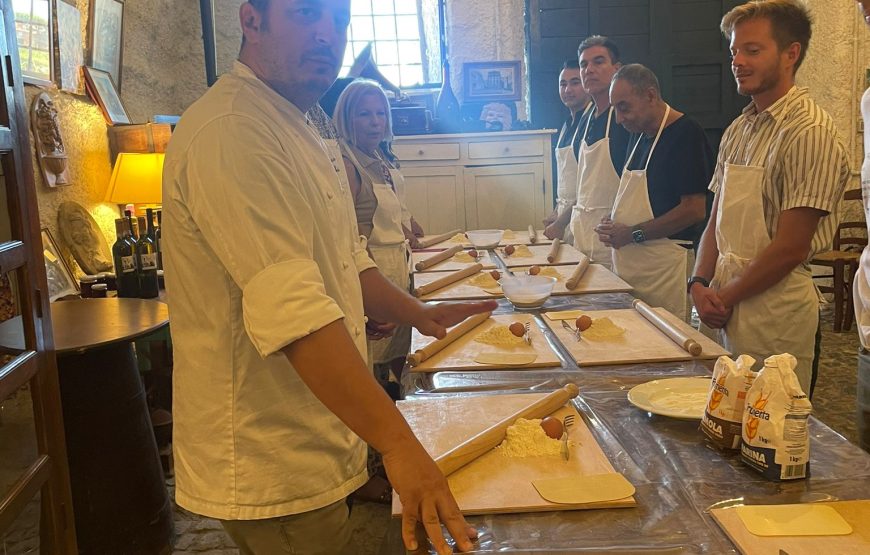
x=347 y=103
x=790 y=21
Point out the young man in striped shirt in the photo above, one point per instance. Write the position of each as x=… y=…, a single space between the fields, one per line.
x=780 y=173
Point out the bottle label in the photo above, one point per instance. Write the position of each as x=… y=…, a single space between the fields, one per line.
x=128 y=264
x=149 y=261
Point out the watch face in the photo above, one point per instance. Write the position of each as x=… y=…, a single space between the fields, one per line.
x=638 y=236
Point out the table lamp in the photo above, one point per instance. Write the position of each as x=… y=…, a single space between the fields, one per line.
x=137 y=178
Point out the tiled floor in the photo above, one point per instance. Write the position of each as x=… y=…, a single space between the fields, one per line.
x=833 y=402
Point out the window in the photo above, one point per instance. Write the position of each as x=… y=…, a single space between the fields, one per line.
x=405 y=37
x=33 y=29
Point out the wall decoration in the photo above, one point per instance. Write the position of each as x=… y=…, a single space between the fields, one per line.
x=35 y=34
x=102 y=90
x=61 y=282
x=50 y=150
x=491 y=81
x=69 y=42
x=106 y=32
x=81 y=234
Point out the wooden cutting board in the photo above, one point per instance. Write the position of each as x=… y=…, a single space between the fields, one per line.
x=460 y=290
x=460 y=354
x=494 y=483
x=567 y=255
x=450 y=265
x=596 y=279
x=856 y=513
x=518 y=238
x=641 y=342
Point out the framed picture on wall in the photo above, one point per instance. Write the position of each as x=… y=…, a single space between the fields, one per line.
x=69 y=46
x=102 y=90
x=106 y=32
x=491 y=81
x=60 y=278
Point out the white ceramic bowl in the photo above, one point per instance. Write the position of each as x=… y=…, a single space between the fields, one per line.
x=485 y=238
x=525 y=291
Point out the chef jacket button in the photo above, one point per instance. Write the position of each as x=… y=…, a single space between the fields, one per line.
x=329 y=195
x=344 y=265
x=356 y=331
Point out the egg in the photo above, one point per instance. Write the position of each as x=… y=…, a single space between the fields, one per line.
x=583 y=323
x=473 y=253
x=534 y=270
x=496 y=275
x=552 y=427
x=509 y=249
x=518 y=329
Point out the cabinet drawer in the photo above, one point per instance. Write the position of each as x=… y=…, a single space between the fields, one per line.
x=505 y=149
x=427 y=151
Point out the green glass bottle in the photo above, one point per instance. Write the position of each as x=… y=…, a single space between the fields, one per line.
x=146 y=256
x=125 y=262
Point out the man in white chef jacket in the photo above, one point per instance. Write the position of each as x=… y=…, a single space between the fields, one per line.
x=780 y=174
x=268 y=283
x=861 y=290
x=576 y=99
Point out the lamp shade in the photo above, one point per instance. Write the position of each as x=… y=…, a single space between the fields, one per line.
x=137 y=179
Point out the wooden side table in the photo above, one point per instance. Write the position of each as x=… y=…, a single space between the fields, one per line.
x=119 y=496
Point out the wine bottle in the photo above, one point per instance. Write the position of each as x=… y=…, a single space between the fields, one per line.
x=125 y=263
x=158 y=235
x=146 y=255
x=447 y=107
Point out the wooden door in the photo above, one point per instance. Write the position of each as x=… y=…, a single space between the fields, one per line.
x=34 y=477
x=435 y=196
x=509 y=196
x=678 y=39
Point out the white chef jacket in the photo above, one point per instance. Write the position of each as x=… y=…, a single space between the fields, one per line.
x=258 y=253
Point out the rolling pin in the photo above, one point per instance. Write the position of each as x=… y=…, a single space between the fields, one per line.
x=434 y=240
x=436 y=258
x=554 y=250
x=533 y=235
x=452 y=277
x=578 y=272
x=690 y=345
x=420 y=355
x=482 y=443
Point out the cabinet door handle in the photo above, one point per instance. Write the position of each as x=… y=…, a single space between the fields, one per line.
x=507 y=149
x=420 y=152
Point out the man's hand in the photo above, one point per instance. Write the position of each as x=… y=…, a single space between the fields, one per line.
x=376 y=331
x=711 y=310
x=426 y=499
x=554 y=230
x=433 y=320
x=416 y=228
x=613 y=234
x=552 y=217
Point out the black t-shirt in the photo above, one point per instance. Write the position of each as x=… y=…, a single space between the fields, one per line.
x=682 y=164
x=568 y=130
x=619 y=137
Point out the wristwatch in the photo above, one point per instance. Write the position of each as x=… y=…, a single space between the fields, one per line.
x=696 y=279
x=638 y=236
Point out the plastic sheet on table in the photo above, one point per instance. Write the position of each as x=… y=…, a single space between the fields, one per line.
x=664 y=522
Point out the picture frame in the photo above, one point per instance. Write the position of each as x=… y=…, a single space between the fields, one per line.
x=35 y=30
x=491 y=81
x=61 y=282
x=69 y=50
x=102 y=89
x=106 y=37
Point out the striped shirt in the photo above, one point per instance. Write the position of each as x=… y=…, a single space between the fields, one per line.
x=806 y=164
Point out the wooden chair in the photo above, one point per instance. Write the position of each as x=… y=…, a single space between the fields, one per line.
x=843 y=260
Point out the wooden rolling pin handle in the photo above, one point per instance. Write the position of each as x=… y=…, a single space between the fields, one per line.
x=554 y=250
x=482 y=443
x=693 y=347
x=677 y=336
x=533 y=235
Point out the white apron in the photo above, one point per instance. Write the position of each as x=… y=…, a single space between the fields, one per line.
x=861 y=289
x=597 y=184
x=566 y=178
x=656 y=268
x=390 y=252
x=782 y=319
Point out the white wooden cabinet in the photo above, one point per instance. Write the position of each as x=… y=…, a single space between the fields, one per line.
x=477 y=180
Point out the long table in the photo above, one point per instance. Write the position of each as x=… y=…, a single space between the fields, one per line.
x=678 y=476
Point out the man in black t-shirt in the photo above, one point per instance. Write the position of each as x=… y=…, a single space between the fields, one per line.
x=662 y=205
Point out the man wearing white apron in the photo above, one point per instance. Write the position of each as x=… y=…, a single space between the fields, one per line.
x=861 y=289
x=780 y=174
x=575 y=98
x=602 y=149
x=662 y=193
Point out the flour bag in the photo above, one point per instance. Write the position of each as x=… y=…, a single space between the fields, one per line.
x=775 y=435
x=723 y=413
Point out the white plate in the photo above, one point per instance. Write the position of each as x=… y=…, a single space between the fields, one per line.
x=675 y=397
